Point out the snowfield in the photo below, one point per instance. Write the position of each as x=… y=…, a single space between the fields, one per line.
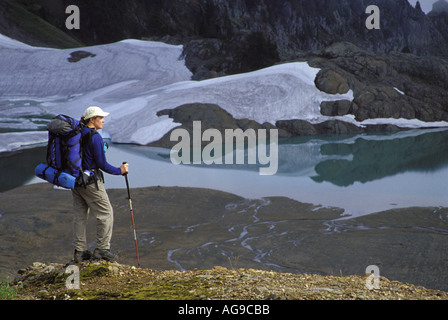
x=134 y=79
x=43 y=73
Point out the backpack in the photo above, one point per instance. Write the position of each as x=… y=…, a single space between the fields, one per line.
x=64 y=153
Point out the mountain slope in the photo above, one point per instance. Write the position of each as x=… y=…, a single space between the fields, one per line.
x=20 y=22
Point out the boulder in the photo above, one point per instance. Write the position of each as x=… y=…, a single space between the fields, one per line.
x=331 y=82
x=335 y=108
x=297 y=127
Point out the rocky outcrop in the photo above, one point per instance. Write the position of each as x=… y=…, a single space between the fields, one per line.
x=441 y=6
x=304 y=128
x=399 y=85
x=439 y=17
x=213 y=116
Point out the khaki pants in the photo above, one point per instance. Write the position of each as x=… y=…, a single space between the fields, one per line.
x=97 y=202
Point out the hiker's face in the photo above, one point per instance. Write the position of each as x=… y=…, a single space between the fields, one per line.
x=98 y=122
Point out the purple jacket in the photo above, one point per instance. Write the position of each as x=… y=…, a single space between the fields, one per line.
x=93 y=155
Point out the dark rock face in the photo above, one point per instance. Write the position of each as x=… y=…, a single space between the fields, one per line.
x=439 y=17
x=395 y=85
x=209 y=58
x=292 y=25
x=440 y=6
x=225 y=37
x=289 y=26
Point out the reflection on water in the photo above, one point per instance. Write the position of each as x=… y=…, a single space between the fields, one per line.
x=360 y=173
x=373 y=159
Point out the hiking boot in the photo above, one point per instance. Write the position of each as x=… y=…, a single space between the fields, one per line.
x=104 y=254
x=80 y=256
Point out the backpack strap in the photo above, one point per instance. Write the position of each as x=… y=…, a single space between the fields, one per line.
x=97 y=174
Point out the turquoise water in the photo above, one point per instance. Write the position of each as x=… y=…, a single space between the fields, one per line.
x=360 y=173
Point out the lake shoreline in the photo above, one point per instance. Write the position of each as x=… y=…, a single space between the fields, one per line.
x=185 y=228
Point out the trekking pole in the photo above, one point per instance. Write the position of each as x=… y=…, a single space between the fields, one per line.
x=132 y=216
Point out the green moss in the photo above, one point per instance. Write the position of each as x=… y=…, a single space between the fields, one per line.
x=93 y=271
x=166 y=289
x=95 y=295
x=56 y=279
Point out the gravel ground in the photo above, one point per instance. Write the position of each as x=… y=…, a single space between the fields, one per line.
x=106 y=281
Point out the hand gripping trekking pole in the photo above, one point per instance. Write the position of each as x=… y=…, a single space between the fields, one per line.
x=132 y=216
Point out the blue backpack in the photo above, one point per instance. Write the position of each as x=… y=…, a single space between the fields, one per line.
x=64 y=153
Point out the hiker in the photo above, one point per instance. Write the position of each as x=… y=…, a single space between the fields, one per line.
x=93 y=197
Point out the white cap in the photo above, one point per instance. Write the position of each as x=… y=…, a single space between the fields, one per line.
x=94 y=111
